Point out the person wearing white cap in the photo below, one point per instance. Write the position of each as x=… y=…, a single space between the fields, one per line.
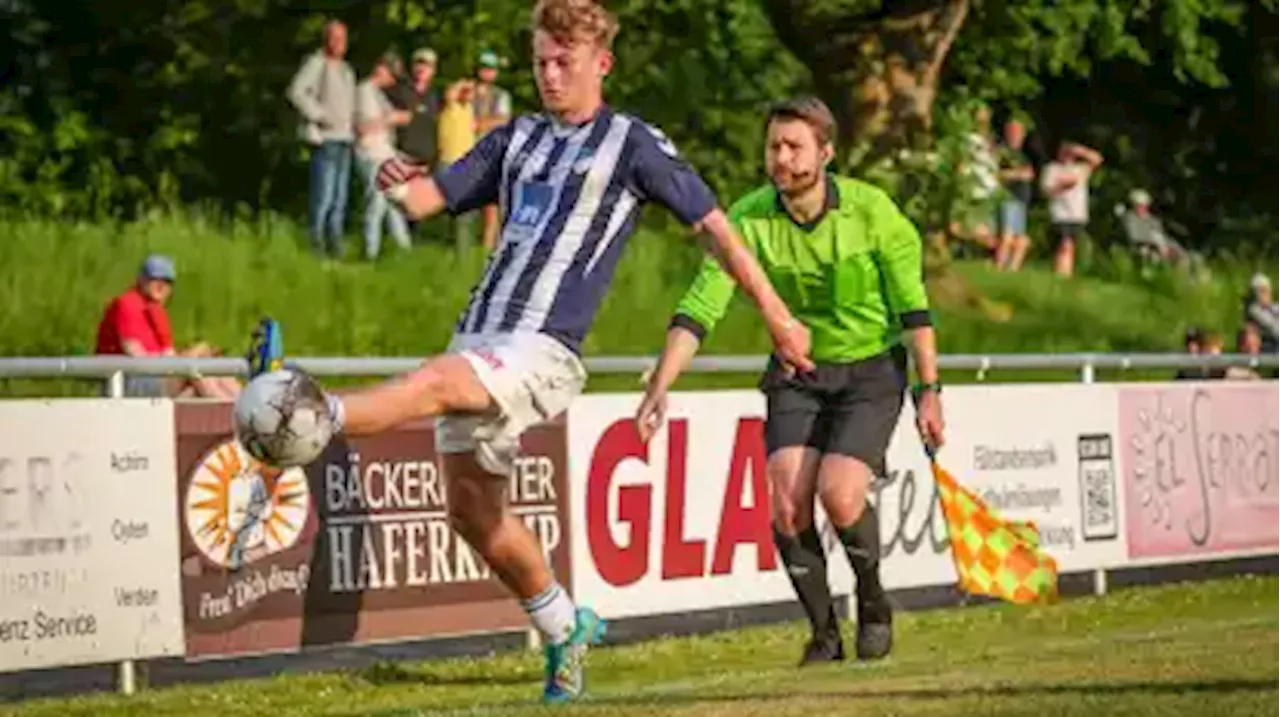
x=1260 y=310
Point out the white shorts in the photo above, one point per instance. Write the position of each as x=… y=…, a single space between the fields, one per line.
x=532 y=378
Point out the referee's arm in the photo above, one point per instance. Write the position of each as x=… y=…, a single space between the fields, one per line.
x=702 y=307
x=903 y=253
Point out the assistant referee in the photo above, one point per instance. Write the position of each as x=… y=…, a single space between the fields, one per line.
x=849 y=265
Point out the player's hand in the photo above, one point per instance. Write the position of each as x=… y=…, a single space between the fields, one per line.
x=651 y=414
x=929 y=419
x=395 y=172
x=791 y=342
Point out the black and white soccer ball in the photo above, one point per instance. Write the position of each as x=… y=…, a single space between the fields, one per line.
x=282 y=419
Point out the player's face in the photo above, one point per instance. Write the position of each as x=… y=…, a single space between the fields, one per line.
x=570 y=77
x=793 y=156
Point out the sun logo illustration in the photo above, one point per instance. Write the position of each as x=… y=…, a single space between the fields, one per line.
x=240 y=510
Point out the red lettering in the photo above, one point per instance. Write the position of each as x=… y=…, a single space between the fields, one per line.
x=680 y=558
x=738 y=524
x=618 y=564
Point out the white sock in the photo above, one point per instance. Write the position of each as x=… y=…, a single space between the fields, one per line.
x=553 y=613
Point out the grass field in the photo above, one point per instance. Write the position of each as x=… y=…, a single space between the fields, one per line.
x=57 y=277
x=1190 y=649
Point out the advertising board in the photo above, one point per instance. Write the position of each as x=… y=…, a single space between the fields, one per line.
x=683 y=522
x=87 y=532
x=1045 y=453
x=1200 y=462
x=355 y=548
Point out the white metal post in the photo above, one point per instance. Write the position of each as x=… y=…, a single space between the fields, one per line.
x=126 y=673
x=1099 y=574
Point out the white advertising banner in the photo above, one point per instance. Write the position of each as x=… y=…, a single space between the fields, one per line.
x=88 y=532
x=1040 y=452
x=681 y=523
x=1200 y=469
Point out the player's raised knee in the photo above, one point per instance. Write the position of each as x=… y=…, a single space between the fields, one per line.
x=447 y=384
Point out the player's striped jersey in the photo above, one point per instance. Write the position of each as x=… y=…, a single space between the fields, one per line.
x=570 y=196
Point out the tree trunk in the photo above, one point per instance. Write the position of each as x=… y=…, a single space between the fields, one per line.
x=878 y=70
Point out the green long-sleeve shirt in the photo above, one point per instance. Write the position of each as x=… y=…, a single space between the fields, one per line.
x=854 y=277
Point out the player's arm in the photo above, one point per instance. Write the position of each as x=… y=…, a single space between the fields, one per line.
x=468 y=184
x=663 y=176
x=901 y=253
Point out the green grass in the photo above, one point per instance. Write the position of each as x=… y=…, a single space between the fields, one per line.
x=1208 y=648
x=57 y=277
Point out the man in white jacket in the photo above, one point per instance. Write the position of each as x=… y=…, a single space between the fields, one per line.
x=324 y=92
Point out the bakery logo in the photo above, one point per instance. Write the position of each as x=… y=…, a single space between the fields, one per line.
x=239 y=510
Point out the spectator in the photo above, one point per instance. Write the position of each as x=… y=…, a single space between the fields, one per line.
x=1016 y=174
x=416 y=140
x=1197 y=342
x=974 y=217
x=1248 y=342
x=493 y=109
x=1146 y=232
x=135 y=323
x=376 y=119
x=1066 y=182
x=323 y=92
x=457 y=137
x=1261 y=310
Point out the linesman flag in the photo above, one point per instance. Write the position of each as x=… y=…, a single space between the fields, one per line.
x=993 y=556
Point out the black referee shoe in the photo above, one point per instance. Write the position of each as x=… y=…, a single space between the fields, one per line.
x=828 y=648
x=875 y=627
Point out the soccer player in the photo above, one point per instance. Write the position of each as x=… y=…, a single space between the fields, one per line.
x=849 y=264
x=570 y=184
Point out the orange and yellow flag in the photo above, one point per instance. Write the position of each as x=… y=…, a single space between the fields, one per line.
x=994 y=556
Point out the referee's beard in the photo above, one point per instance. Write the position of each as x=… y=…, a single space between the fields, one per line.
x=795 y=186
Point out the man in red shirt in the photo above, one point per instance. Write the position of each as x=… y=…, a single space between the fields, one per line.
x=136 y=324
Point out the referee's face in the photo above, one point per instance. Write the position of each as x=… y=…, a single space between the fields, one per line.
x=793 y=157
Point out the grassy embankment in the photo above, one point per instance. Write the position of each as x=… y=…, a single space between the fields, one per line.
x=56 y=278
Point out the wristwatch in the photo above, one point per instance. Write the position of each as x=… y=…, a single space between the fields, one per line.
x=922 y=388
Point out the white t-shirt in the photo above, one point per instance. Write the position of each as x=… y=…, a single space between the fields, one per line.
x=984 y=167
x=1072 y=205
x=372 y=104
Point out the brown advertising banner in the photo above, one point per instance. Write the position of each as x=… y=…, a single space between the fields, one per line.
x=355 y=548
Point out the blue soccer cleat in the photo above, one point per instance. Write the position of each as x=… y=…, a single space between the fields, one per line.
x=565 y=662
x=266 y=348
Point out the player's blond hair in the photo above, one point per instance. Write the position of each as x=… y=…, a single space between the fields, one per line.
x=575 y=21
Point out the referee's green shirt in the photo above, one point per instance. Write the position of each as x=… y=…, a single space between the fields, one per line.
x=855 y=276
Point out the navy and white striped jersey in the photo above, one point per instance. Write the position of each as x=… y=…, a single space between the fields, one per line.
x=570 y=196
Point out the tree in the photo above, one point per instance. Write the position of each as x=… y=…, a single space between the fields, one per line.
x=881 y=63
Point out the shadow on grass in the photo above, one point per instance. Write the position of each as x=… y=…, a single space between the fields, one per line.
x=691 y=697
x=1082 y=689
x=390 y=673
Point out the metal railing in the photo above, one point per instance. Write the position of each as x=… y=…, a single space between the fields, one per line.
x=114 y=368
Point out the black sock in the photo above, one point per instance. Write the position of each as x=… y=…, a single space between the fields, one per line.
x=862 y=544
x=806 y=564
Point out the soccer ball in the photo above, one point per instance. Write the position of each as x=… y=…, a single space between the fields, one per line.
x=282 y=419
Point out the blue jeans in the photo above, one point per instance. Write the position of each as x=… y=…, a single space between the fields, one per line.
x=378 y=208
x=330 y=178
x=1013 y=217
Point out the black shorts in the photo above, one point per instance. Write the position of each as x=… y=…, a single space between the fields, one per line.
x=847 y=409
x=1064 y=231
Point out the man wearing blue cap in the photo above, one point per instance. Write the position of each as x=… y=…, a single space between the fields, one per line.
x=137 y=324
